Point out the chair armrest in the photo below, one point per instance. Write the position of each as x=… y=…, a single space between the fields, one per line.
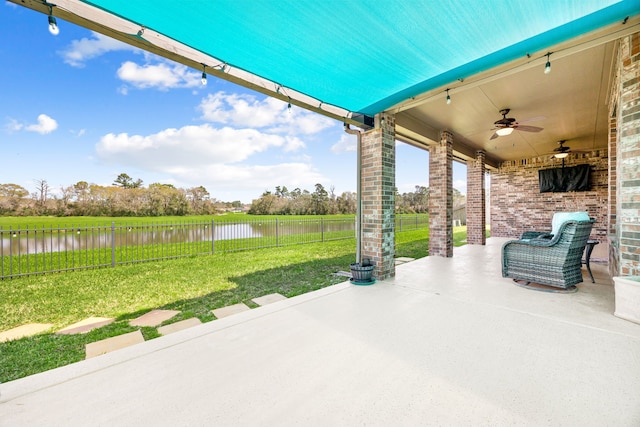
x=536 y=235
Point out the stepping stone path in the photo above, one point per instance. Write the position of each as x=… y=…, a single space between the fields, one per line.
x=24 y=331
x=268 y=299
x=114 y=343
x=150 y=319
x=154 y=318
x=179 y=326
x=343 y=274
x=86 y=325
x=403 y=259
x=229 y=310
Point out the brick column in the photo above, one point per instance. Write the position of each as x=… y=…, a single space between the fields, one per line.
x=378 y=196
x=628 y=168
x=441 y=197
x=476 y=214
x=612 y=193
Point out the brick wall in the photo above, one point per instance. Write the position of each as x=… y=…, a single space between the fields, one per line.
x=517 y=204
x=476 y=221
x=441 y=197
x=378 y=197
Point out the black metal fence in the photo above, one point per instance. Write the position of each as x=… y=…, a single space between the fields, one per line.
x=35 y=250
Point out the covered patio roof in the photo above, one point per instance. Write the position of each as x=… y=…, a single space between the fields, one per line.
x=351 y=59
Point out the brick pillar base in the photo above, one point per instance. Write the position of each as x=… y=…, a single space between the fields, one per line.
x=441 y=197
x=476 y=214
x=378 y=196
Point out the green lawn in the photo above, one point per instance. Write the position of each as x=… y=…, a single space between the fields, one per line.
x=193 y=285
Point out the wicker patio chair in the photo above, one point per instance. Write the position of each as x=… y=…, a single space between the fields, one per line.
x=554 y=260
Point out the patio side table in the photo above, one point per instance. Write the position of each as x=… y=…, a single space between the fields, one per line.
x=587 y=256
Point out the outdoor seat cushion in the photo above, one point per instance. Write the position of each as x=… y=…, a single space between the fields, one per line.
x=560 y=217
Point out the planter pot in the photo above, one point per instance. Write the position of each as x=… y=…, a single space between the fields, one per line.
x=627 y=289
x=362 y=274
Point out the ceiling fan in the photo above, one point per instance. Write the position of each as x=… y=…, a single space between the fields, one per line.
x=562 y=151
x=506 y=125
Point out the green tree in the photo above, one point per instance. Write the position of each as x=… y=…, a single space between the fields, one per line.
x=346 y=202
x=264 y=204
x=125 y=181
x=11 y=197
x=320 y=199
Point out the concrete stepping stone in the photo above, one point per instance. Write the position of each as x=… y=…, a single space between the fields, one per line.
x=86 y=325
x=343 y=273
x=268 y=299
x=114 y=343
x=24 y=331
x=153 y=318
x=178 y=326
x=229 y=310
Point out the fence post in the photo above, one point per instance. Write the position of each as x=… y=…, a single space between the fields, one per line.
x=10 y=252
x=213 y=236
x=113 y=244
x=277 y=240
x=322 y=228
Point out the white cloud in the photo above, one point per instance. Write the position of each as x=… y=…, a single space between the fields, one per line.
x=163 y=75
x=269 y=114
x=347 y=143
x=13 y=126
x=80 y=51
x=460 y=185
x=189 y=146
x=205 y=155
x=252 y=178
x=44 y=126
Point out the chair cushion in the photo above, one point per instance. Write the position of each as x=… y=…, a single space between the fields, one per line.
x=561 y=217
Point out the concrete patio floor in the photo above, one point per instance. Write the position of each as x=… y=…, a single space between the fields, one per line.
x=446 y=342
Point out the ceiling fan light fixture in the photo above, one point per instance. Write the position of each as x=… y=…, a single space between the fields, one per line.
x=561 y=155
x=504 y=131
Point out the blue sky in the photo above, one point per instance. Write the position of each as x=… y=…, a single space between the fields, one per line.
x=81 y=107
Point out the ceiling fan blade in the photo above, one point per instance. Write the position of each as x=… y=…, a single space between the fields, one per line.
x=533 y=119
x=528 y=128
x=494 y=136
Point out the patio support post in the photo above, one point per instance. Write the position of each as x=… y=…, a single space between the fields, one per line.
x=627 y=91
x=378 y=172
x=612 y=226
x=476 y=214
x=441 y=197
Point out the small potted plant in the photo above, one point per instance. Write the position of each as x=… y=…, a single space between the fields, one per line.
x=627 y=290
x=362 y=272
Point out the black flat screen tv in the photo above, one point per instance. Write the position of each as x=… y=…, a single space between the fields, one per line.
x=560 y=180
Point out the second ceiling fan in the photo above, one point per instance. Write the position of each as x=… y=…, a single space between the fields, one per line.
x=506 y=125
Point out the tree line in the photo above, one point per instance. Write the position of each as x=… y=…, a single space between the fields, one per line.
x=304 y=202
x=126 y=197
x=129 y=197
x=323 y=202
